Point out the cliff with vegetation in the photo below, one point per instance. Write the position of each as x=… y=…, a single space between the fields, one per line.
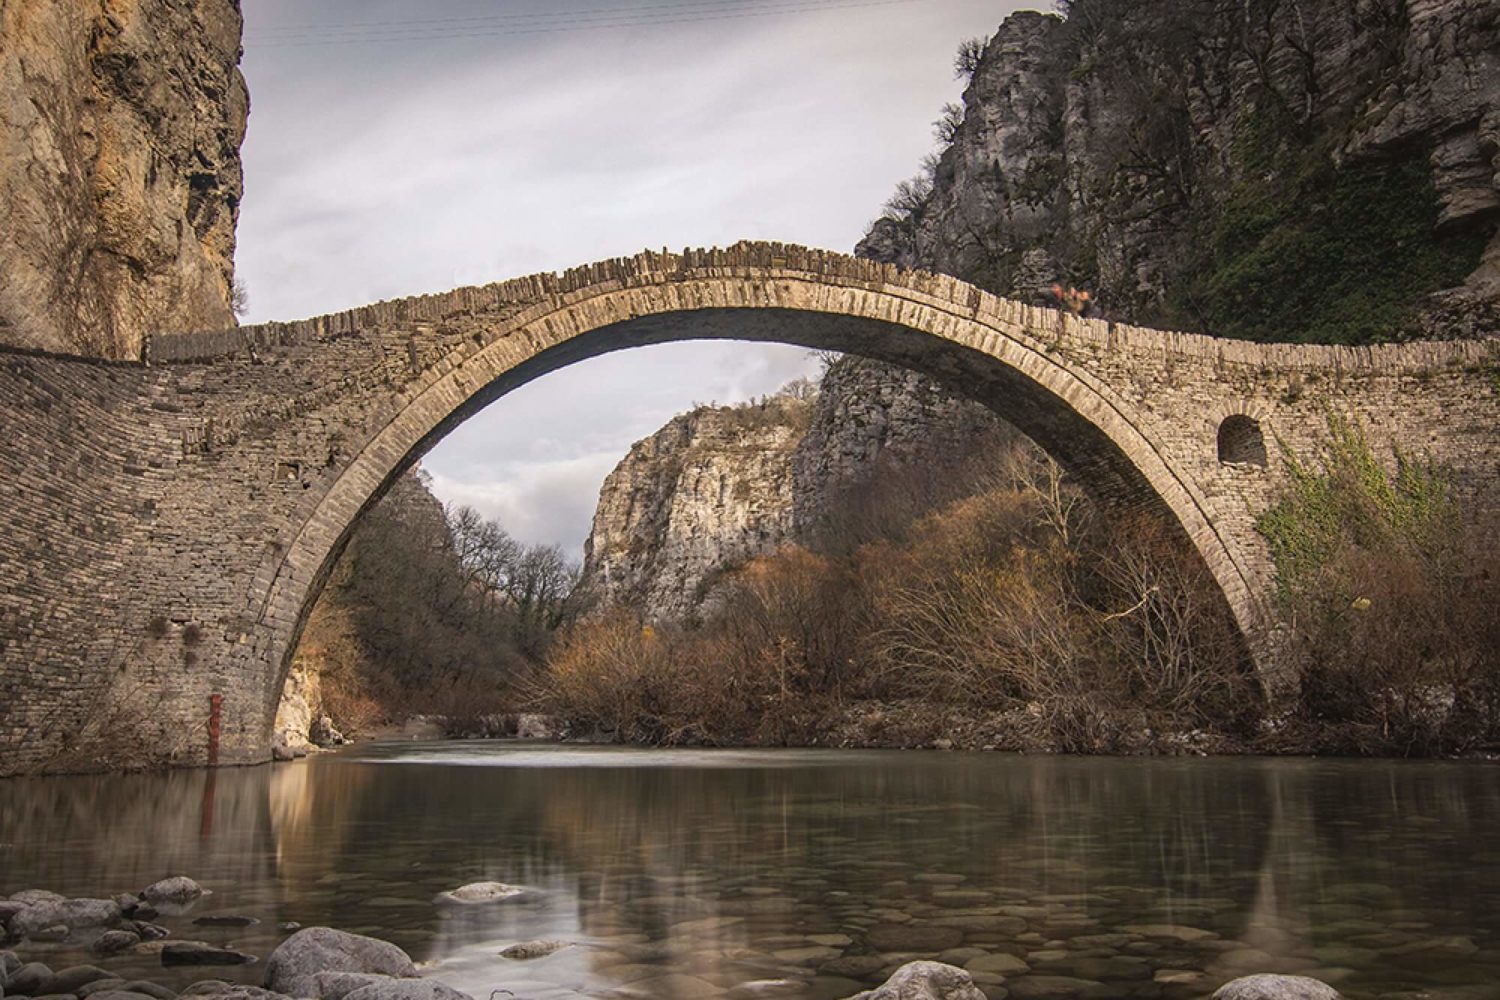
x=708 y=491
x=721 y=485
x=120 y=131
x=1274 y=170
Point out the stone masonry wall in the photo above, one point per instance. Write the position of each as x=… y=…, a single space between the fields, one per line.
x=169 y=525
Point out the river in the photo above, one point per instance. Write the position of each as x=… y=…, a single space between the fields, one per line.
x=688 y=873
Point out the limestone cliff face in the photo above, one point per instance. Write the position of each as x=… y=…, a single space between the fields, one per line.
x=120 y=129
x=708 y=491
x=718 y=486
x=870 y=415
x=1272 y=168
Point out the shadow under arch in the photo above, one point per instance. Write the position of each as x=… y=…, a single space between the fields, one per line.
x=994 y=357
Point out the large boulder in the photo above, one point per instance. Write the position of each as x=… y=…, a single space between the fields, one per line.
x=220 y=990
x=179 y=890
x=407 y=989
x=32 y=979
x=294 y=965
x=71 y=979
x=921 y=981
x=1273 y=987
x=70 y=913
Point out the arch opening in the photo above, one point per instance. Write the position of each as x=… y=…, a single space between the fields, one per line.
x=1241 y=442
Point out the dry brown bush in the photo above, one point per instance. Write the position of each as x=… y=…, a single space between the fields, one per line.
x=1403 y=655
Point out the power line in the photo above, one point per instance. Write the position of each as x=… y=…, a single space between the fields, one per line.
x=693 y=12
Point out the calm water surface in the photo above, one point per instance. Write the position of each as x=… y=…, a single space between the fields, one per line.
x=692 y=873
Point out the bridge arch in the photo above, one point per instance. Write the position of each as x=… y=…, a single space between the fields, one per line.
x=997 y=352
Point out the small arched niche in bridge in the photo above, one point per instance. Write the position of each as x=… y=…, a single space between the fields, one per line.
x=1241 y=441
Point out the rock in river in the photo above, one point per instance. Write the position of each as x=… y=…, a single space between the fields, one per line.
x=113 y=941
x=71 y=979
x=31 y=979
x=1272 y=987
x=177 y=890
x=483 y=892
x=296 y=962
x=407 y=989
x=925 y=981
x=70 y=913
x=532 y=949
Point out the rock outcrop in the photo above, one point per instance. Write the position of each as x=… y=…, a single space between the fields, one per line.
x=708 y=491
x=870 y=414
x=1267 y=169
x=719 y=486
x=120 y=130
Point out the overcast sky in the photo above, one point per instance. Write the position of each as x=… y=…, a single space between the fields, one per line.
x=396 y=148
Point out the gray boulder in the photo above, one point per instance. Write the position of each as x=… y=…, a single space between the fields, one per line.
x=337 y=985
x=175 y=891
x=70 y=913
x=296 y=962
x=407 y=989
x=69 y=980
x=113 y=941
x=9 y=908
x=925 y=981
x=149 y=989
x=1273 y=987
x=32 y=979
x=99 y=986
x=120 y=995
x=231 y=991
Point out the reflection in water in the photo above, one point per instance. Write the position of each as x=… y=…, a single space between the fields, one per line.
x=685 y=873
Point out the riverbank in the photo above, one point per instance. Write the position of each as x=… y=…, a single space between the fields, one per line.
x=922 y=725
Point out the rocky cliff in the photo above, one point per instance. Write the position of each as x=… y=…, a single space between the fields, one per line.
x=706 y=492
x=120 y=129
x=1269 y=168
x=718 y=486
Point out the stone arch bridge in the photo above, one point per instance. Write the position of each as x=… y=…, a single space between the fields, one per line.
x=169 y=522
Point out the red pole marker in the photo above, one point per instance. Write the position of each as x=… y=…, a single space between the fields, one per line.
x=215 y=705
